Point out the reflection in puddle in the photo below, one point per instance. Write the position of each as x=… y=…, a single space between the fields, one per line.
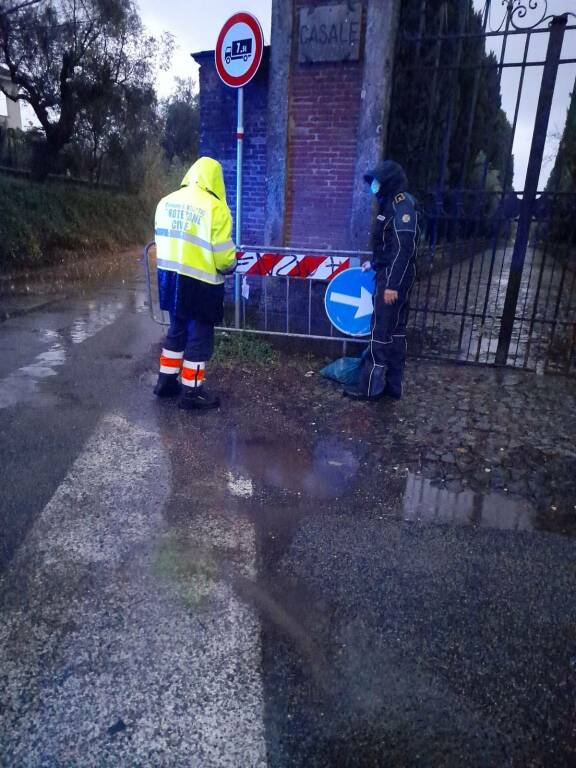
x=240 y=486
x=23 y=383
x=140 y=300
x=98 y=317
x=45 y=364
x=431 y=504
x=322 y=473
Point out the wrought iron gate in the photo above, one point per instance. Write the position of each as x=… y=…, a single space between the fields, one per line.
x=497 y=277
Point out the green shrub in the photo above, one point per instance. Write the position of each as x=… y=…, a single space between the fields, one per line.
x=40 y=221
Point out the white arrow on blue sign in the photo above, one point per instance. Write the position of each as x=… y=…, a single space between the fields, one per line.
x=348 y=301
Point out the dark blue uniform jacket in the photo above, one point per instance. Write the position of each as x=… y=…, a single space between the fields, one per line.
x=395 y=242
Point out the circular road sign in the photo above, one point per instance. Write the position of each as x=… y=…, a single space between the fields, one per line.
x=348 y=301
x=239 y=49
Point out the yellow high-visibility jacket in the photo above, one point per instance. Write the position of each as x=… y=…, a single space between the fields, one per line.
x=194 y=246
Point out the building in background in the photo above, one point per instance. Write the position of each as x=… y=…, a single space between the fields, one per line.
x=315 y=119
x=10 y=114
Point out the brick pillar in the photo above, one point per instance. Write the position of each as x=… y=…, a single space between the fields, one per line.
x=327 y=125
x=324 y=111
x=380 y=41
x=277 y=143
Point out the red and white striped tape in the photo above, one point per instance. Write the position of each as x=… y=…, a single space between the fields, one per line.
x=307 y=267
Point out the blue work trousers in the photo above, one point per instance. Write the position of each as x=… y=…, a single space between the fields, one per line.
x=192 y=337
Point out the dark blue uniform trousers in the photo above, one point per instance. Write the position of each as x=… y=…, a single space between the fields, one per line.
x=384 y=360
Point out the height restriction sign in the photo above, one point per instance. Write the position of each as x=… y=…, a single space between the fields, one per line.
x=238 y=54
x=239 y=49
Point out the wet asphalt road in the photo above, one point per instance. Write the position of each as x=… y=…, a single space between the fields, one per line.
x=293 y=581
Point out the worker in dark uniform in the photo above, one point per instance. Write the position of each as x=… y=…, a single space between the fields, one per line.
x=394 y=261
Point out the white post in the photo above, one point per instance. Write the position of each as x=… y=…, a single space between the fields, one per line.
x=239 y=157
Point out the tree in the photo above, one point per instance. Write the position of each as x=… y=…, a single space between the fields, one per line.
x=9 y=10
x=563 y=175
x=561 y=186
x=114 y=129
x=447 y=105
x=182 y=121
x=77 y=61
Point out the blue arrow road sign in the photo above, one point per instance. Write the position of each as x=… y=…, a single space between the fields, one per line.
x=348 y=301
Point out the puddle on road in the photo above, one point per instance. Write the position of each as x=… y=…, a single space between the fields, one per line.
x=425 y=502
x=99 y=316
x=324 y=472
x=23 y=383
x=45 y=364
x=330 y=469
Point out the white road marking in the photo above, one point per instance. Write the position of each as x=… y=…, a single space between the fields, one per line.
x=240 y=486
x=112 y=614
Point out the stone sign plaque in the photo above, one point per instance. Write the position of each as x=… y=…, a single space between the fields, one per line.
x=330 y=33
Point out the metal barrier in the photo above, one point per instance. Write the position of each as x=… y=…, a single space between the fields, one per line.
x=282 y=292
x=283 y=295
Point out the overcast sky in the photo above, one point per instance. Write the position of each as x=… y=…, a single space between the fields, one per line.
x=531 y=87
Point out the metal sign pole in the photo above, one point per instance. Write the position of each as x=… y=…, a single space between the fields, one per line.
x=239 y=157
x=237 y=56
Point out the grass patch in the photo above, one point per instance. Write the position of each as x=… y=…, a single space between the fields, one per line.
x=234 y=347
x=38 y=222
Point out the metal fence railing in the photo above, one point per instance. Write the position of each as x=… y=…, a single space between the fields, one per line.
x=282 y=291
x=283 y=294
x=470 y=88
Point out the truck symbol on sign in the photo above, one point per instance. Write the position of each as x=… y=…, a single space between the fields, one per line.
x=240 y=49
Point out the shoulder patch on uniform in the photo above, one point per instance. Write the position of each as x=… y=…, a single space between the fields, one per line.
x=399 y=198
x=406 y=218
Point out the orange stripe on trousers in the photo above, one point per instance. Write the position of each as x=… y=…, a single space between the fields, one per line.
x=170 y=362
x=191 y=374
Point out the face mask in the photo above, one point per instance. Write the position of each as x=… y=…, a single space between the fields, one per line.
x=375 y=186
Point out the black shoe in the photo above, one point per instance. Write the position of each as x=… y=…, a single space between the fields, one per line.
x=393 y=394
x=167 y=385
x=198 y=399
x=356 y=394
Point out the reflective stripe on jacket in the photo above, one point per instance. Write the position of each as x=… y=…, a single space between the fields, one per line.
x=193 y=226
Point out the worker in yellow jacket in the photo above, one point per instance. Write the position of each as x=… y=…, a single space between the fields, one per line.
x=194 y=250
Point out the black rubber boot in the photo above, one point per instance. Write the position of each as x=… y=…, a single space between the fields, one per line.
x=356 y=394
x=392 y=392
x=198 y=399
x=167 y=385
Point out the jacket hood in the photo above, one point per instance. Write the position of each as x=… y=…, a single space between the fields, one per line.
x=391 y=177
x=206 y=173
